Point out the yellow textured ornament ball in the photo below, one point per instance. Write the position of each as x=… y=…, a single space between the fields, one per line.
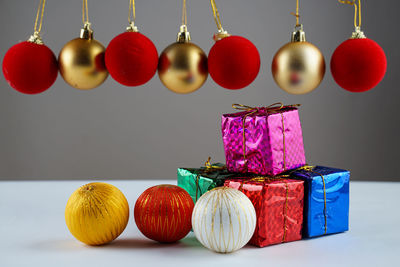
x=81 y=62
x=182 y=67
x=97 y=213
x=299 y=66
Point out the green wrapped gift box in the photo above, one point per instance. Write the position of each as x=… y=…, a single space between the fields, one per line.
x=197 y=181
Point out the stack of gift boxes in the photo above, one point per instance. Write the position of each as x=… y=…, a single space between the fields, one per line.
x=265 y=160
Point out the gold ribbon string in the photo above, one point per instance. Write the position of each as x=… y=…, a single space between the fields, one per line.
x=132 y=12
x=184 y=13
x=85 y=12
x=264 y=179
x=273 y=108
x=297 y=15
x=40 y=12
x=311 y=169
x=353 y=3
x=208 y=168
x=216 y=15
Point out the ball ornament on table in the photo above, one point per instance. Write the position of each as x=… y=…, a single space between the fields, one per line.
x=81 y=61
x=299 y=66
x=131 y=58
x=163 y=213
x=97 y=213
x=224 y=219
x=30 y=67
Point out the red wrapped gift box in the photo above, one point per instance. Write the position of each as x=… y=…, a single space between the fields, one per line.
x=279 y=208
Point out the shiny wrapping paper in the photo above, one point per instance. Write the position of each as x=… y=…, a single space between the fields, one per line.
x=337 y=200
x=273 y=141
x=279 y=209
x=197 y=181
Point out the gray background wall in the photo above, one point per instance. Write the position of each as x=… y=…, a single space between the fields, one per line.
x=116 y=132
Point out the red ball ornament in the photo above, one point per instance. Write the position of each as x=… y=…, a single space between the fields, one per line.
x=233 y=62
x=131 y=58
x=30 y=68
x=358 y=65
x=164 y=212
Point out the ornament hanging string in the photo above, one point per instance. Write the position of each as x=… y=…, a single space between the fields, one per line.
x=353 y=3
x=35 y=38
x=132 y=17
x=297 y=15
x=216 y=15
x=85 y=13
x=184 y=13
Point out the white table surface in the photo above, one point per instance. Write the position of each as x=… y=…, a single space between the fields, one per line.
x=33 y=233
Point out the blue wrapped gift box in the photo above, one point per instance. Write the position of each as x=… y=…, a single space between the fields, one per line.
x=326 y=199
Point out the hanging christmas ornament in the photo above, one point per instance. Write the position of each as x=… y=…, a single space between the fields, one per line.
x=131 y=58
x=224 y=219
x=81 y=60
x=182 y=66
x=358 y=64
x=233 y=61
x=163 y=213
x=97 y=213
x=299 y=66
x=30 y=67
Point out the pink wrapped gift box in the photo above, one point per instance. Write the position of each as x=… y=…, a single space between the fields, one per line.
x=273 y=139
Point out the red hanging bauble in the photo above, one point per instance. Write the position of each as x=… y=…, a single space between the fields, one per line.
x=30 y=67
x=233 y=62
x=164 y=212
x=358 y=64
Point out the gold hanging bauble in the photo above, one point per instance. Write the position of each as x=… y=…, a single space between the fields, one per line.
x=182 y=66
x=299 y=66
x=81 y=61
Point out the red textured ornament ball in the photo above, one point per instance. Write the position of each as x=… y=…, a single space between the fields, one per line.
x=164 y=212
x=358 y=65
x=131 y=59
x=233 y=62
x=30 y=68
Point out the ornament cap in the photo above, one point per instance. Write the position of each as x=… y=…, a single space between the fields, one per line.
x=221 y=34
x=298 y=35
x=358 y=34
x=86 y=32
x=35 y=38
x=132 y=27
x=183 y=35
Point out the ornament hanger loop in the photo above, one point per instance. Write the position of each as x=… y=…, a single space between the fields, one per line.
x=86 y=32
x=353 y=3
x=297 y=15
x=35 y=38
x=132 y=17
x=183 y=34
x=221 y=32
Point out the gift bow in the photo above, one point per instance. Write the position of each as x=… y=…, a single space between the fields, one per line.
x=309 y=168
x=208 y=168
x=273 y=108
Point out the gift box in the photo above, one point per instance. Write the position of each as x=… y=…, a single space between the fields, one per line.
x=263 y=140
x=326 y=200
x=197 y=181
x=279 y=208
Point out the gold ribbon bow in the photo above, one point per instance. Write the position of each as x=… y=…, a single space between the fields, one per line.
x=273 y=108
x=209 y=168
x=309 y=168
x=264 y=179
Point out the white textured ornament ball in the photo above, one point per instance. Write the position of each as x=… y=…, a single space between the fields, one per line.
x=224 y=219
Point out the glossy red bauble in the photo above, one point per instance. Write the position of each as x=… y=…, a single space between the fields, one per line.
x=131 y=59
x=164 y=212
x=358 y=65
x=233 y=62
x=30 y=68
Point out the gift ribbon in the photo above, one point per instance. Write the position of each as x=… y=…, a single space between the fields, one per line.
x=309 y=168
x=269 y=179
x=208 y=168
x=273 y=108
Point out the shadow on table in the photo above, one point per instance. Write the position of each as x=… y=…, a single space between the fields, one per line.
x=137 y=243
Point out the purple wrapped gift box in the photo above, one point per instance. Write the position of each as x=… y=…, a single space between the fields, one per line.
x=272 y=135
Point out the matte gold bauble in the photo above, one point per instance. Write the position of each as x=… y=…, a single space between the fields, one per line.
x=81 y=63
x=182 y=67
x=298 y=67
